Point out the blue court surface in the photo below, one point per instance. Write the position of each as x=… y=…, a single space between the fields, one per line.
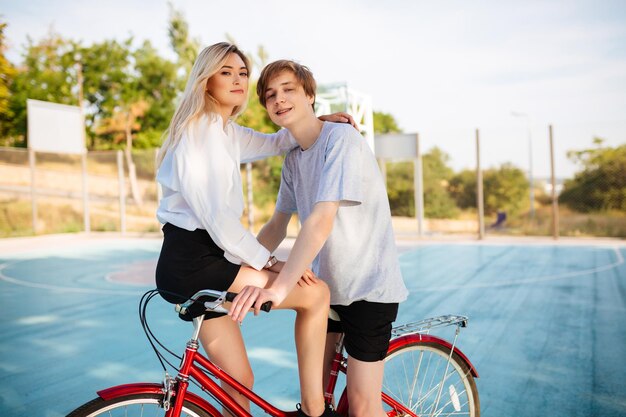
x=546 y=330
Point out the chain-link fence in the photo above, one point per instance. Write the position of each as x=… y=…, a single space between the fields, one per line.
x=51 y=193
x=54 y=193
x=517 y=182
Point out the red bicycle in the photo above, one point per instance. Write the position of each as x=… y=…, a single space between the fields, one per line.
x=424 y=375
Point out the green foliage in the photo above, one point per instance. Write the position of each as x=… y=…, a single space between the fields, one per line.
x=116 y=81
x=148 y=139
x=184 y=46
x=504 y=188
x=7 y=72
x=436 y=173
x=400 y=190
x=159 y=84
x=266 y=172
x=108 y=84
x=385 y=123
x=601 y=185
x=462 y=188
x=47 y=73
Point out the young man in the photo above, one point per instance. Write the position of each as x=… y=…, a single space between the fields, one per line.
x=333 y=182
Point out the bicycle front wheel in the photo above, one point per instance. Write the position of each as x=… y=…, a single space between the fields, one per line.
x=135 y=405
x=425 y=379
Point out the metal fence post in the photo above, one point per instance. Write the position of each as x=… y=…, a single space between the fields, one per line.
x=555 y=200
x=86 y=220
x=479 y=191
x=418 y=179
x=122 y=188
x=33 y=191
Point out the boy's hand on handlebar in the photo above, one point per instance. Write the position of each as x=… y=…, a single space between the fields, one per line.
x=251 y=296
x=308 y=278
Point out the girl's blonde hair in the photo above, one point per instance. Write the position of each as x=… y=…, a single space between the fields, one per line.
x=195 y=100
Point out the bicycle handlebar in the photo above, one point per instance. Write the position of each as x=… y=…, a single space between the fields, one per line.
x=218 y=298
x=266 y=306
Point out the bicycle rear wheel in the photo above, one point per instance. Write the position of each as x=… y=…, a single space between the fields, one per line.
x=419 y=376
x=134 y=405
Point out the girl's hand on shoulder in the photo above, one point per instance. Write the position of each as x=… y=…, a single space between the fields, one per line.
x=339 y=117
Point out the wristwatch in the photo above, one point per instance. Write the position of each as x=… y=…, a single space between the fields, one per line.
x=270 y=262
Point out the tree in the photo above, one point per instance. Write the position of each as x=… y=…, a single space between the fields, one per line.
x=505 y=188
x=385 y=123
x=7 y=73
x=109 y=80
x=436 y=173
x=158 y=84
x=48 y=73
x=601 y=185
x=182 y=43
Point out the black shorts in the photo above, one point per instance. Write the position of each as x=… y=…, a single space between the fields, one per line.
x=190 y=262
x=367 y=328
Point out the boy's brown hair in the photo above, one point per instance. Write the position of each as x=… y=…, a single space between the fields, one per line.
x=303 y=75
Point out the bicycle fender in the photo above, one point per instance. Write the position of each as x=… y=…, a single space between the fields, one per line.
x=432 y=339
x=152 y=388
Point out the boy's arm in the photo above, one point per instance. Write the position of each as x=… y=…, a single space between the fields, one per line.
x=313 y=235
x=274 y=231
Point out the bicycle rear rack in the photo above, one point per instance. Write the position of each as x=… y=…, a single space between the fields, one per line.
x=424 y=326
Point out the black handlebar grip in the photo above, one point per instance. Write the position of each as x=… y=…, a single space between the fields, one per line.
x=266 y=306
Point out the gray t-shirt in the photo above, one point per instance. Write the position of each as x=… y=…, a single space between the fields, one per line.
x=359 y=260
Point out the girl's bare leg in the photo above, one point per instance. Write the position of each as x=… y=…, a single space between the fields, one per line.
x=311 y=303
x=223 y=343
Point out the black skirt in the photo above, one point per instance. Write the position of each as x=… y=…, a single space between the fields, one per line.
x=190 y=262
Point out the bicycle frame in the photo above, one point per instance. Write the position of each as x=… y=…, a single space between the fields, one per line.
x=199 y=368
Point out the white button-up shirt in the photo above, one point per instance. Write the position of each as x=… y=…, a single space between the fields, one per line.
x=201 y=182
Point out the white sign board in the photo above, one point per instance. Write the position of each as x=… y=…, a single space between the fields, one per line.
x=396 y=146
x=55 y=127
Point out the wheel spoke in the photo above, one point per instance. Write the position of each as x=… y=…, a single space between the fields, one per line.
x=426 y=379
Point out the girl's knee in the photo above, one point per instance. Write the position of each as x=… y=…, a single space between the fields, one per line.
x=319 y=294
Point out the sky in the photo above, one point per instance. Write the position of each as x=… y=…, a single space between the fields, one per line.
x=442 y=68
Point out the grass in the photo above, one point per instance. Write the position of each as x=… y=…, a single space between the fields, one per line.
x=54 y=216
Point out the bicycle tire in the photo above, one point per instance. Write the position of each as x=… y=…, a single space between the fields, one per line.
x=133 y=405
x=413 y=375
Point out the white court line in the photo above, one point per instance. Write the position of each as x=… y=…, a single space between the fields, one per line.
x=618 y=262
x=15 y=281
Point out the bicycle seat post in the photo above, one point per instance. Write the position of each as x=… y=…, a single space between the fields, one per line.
x=197 y=324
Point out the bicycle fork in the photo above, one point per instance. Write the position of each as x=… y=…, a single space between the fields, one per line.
x=178 y=389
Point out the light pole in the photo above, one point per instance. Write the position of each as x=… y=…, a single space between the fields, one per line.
x=530 y=162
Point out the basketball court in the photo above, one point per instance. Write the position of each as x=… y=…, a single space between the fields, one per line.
x=545 y=333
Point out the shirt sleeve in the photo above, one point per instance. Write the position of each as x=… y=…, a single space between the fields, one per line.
x=254 y=145
x=341 y=175
x=286 y=200
x=205 y=170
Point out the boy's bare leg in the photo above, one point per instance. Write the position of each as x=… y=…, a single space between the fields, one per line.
x=365 y=381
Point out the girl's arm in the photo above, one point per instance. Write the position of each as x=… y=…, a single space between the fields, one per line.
x=255 y=145
x=205 y=170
